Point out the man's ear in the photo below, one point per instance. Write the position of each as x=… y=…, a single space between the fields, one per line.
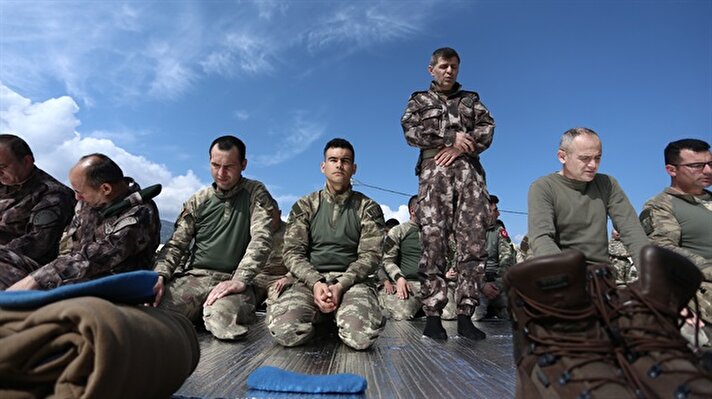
x=322 y=166
x=106 y=189
x=243 y=165
x=671 y=170
x=561 y=155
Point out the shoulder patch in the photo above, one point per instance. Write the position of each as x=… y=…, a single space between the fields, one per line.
x=123 y=223
x=503 y=233
x=45 y=217
x=646 y=220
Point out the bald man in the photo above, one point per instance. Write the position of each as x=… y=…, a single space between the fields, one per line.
x=114 y=228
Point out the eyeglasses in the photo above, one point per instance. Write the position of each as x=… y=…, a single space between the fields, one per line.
x=696 y=165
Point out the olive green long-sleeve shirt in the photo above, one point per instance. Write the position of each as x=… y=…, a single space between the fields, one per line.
x=298 y=237
x=565 y=213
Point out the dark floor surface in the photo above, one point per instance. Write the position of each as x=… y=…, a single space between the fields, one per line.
x=401 y=364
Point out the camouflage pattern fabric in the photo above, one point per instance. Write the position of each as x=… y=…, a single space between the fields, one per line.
x=402 y=309
x=501 y=256
x=258 y=249
x=452 y=200
x=273 y=270
x=297 y=237
x=32 y=218
x=621 y=262
x=359 y=319
x=186 y=291
x=523 y=252
x=226 y=318
x=100 y=246
x=292 y=317
x=663 y=229
x=450 y=309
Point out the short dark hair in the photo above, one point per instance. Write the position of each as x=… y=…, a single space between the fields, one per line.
x=672 y=150
x=101 y=169
x=411 y=202
x=494 y=199
x=228 y=142
x=392 y=222
x=340 y=143
x=444 y=53
x=17 y=146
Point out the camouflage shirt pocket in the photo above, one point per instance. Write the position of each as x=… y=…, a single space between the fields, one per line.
x=431 y=117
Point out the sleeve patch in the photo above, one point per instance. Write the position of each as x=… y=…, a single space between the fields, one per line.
x=45 y=217
x=503 y=233
x=123 y=223
x=646 y=220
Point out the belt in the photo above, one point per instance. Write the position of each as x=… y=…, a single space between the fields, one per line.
x=429 y=153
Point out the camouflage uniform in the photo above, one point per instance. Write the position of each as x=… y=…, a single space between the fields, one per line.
x=273 y=270
x=663 y=227
x=32 y=218
x=621 y=262
x=399 y=309
x=523 y=252
x=186 y=290
x=102 y=242
x=450 y=309
x=501 y=257
x=452 y=199
x=292 y=316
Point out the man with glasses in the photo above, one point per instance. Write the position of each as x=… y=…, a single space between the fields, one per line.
x=680 y=218
x=570 y=208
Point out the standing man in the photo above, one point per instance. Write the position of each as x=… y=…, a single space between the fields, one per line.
x=680 y=218
x=451 y=127
x=34 y=209
x=115 y=228
x=500 y=257
x=225 y=231
x=570 y=208
x=331 y=246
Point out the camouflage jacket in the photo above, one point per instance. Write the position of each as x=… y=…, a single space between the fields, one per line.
x=275 y=262
x=100 y=245
x=392 y=248
x=500 y=250
x=297 y=237
x=33 y=216
x=260 y=244
x=662 y=226
x=431 y=119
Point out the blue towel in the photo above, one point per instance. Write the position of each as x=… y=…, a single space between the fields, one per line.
x=130 y=288
x=268 y=378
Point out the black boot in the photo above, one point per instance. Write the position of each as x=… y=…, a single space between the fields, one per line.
x=466 y=329
x=434 y=328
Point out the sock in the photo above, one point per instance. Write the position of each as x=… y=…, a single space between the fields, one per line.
x=434 y=328
x=466 y=329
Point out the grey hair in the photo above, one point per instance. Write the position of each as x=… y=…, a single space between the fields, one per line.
x=571 y=134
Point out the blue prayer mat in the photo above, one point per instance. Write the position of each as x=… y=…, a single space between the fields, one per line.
x=268 y=378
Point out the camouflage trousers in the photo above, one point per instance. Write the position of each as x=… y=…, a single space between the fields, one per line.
x=14 y=267
x=452 y=201
x=291 y=318
x=450 y=309
x=402 y=309
x=496 y=306
x=624 y=269
x=225 y=318
x=264 y=285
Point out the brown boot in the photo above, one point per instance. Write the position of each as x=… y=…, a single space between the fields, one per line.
x=644 y=321
x=560 y=348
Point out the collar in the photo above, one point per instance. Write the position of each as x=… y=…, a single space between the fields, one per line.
x=231 y=192
x=338 y=199
x=693 y=199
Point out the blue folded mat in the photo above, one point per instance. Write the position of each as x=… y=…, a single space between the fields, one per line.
x=130 y=288
x=268 y=378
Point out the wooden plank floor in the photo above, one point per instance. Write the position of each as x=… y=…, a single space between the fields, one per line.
x=401 y=364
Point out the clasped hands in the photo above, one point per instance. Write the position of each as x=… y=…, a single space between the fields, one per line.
x=327 y=297
x=463 y=144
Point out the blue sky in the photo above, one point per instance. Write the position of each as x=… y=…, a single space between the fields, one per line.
x=152 y=83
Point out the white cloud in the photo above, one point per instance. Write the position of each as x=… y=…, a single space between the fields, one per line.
x=292 y=140
x=242 y=114
x=49 y=128
x=401 y=213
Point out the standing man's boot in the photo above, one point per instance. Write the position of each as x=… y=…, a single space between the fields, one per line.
x=560 y=348
x=644 y=320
